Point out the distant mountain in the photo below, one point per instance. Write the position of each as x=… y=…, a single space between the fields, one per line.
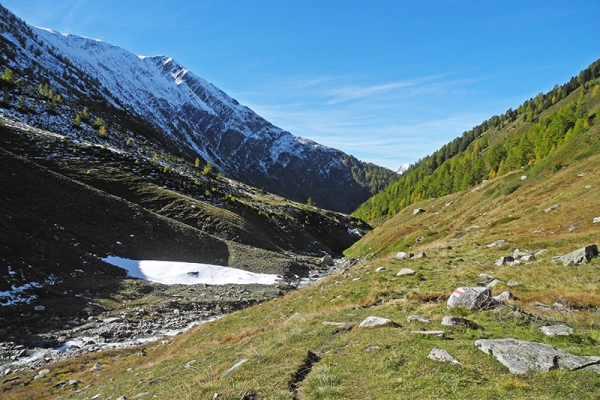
x=402 y=169
x=160 y=100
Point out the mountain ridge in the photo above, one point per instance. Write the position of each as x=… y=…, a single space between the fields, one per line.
x=186 y=114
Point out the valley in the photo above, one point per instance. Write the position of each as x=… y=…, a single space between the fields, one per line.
x=160 y=240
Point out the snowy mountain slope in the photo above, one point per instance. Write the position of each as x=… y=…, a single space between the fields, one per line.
x=187 y=115
x=402 y=169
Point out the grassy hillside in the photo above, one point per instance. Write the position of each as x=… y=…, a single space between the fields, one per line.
x=307 y=344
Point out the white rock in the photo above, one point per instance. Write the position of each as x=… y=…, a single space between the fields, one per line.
x=236 y=366
x=472 y=298
x=405 y=271
x=556 y=330
x=441 y=355
x=504 y=296
x=373 y=321
x=418 y=318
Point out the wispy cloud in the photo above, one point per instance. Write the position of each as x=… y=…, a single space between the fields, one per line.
x=387 y=123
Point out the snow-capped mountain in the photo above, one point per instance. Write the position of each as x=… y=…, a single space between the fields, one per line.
x=402 y=169
x=159 y=98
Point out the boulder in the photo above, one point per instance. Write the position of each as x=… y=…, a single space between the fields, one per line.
x=418 y=318
x=405 y=271
x=418 y=211
x=420 y=254
x=373 y=321
x=327 y=260
x=556 y=330
x=579 y=256
x=441 y=355
x=473 y=298
x=402 y=255
x=520 y=356
x=596 y=220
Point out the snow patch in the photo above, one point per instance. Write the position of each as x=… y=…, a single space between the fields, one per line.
x=183 y=273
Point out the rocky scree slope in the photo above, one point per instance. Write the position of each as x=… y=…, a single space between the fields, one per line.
x=159 y=99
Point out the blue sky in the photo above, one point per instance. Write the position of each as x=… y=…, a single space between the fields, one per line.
x=387 y=81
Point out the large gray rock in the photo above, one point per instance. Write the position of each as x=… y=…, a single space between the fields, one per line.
x=373 y=321
x=442 y=355
x=473 y=298
x=520 y=356
x=579 y=256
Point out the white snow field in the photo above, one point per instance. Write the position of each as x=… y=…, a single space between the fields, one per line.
x=183 y=273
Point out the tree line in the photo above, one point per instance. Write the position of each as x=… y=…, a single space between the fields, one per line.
x=482 y=153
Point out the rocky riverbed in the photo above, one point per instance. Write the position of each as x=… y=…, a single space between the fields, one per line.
x=139 y=312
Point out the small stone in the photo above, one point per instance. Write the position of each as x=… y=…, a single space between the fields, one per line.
x=236 y=366
x=551 y=208
x=506 y=260
x=493 y=283
x=405 y=271
x=41 y=374
x=512 y=283
x=39 y=308
x=523 y=177
x=418 y=211
x=373 y=321
x=441 y=355
x=528 y=257
x=596 y=220
x=96 y=367
x=418 y=318
x=380 y=269
x=420 y=254
x=451 y=321
x=189 y=364
x=556 y=330
x=498 y=243
x=402 y=255
x=504 y=296
x=327 y=260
